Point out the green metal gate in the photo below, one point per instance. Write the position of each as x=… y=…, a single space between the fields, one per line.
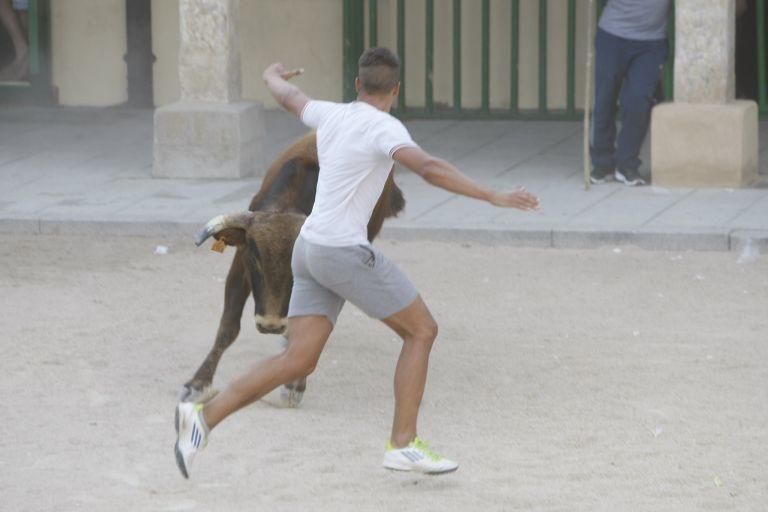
x=762 y=101
x=36 y=87
x=363 y=17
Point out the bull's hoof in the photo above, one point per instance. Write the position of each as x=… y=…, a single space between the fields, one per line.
x=190 y=394
x=291 y=396
x=292 y=393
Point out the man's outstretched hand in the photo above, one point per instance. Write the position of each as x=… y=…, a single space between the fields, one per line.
x=519 y=198
x=278 y=69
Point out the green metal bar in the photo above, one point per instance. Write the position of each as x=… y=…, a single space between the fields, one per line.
x=457 y=55
x=401 y=53
x=669 y=66
x=430 y=56
x=543 y=55
x=33 y=37
x=600 y=7
x=373 y=23
x=570 y=101
x=485 y=57
x=345 y=43
x=514 y=65
x=353 y=43
x=38 y=90
x=493 y=114
x=761 y=72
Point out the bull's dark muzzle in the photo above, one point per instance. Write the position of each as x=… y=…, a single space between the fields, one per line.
x=270 y=327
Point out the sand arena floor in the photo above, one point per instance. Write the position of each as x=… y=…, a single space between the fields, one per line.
x=562 y=380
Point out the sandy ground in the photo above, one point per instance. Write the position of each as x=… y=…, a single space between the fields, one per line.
x=561 y=381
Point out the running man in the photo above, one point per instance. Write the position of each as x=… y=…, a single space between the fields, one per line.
x=333 y=261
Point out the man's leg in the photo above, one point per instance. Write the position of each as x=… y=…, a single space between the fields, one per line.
x=637 y=99
x=406 y=452
x=418 y=330
x=609 y=73
x=307 y=336
x=10 y=21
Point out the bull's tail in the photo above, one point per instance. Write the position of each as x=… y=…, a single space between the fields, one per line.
x=221 y=222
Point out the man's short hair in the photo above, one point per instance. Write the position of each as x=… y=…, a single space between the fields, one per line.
x=378 y=70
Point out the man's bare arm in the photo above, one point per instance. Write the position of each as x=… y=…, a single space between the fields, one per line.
x=287 y=95
x=444 y=175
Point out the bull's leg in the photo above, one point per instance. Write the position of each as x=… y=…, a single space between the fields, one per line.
x=236 y=293
x=293 y=392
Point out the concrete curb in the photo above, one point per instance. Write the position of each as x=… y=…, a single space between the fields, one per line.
x=79 y=227
x=659 y=240
x=572 y=238
x=163 y=229
x=715 y=239
x=756 y=238
x=518 y=237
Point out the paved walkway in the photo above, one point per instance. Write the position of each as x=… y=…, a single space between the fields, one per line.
x=89 y=171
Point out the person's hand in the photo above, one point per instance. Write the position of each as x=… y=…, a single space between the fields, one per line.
x=278 y=69
x=519 y=198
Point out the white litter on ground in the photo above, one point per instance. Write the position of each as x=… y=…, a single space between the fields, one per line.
x=749 y=253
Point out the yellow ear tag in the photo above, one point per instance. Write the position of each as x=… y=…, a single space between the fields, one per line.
x=218 y=246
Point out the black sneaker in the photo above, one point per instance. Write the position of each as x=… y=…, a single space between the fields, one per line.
x=600 y=175
x=629 y=177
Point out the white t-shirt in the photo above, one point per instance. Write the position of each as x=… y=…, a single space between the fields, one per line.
x=355 y=144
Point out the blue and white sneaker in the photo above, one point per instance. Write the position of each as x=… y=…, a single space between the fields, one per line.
x=629 y=177
x=417 y=457
x=192 y=434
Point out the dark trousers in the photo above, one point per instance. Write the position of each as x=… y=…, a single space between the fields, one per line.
x=626 y=71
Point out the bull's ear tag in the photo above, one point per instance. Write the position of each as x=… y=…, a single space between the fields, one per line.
x=218 y=246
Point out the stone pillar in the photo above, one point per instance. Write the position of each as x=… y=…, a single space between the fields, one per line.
x=210 y=132
x=705 y=138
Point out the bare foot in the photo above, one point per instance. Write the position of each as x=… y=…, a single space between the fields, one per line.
x=6 y=74
x=22 y=69
x=15 y=71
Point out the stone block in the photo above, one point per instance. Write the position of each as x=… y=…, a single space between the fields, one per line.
x=704 y=51
x=209 y=56
x=209 y=140
x=704 y=145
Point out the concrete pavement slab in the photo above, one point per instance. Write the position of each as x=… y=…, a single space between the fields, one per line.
x=424 y=131
x=460 y=212
x=755 y=217
x=628 y=208
x=460 y=139
x=89 y=171
x=707 y=208
x=558 y=205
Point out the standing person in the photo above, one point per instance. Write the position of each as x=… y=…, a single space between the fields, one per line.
x=333 y=260
x=630 y=49
x=13 y=17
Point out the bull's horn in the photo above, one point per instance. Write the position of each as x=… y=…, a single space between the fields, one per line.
x=220 y=222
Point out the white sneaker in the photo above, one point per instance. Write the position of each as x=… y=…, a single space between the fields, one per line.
x=192 y=436
x=417 y=457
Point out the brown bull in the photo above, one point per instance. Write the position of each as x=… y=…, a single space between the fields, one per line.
x=264 y=238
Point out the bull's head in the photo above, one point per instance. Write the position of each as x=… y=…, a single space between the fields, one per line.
x=266 y=242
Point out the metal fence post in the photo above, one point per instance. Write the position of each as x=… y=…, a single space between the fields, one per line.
x=353 y=44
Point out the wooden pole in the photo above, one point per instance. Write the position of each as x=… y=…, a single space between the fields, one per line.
x=589 y=79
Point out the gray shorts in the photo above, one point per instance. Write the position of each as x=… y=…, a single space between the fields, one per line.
x=324 y=277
